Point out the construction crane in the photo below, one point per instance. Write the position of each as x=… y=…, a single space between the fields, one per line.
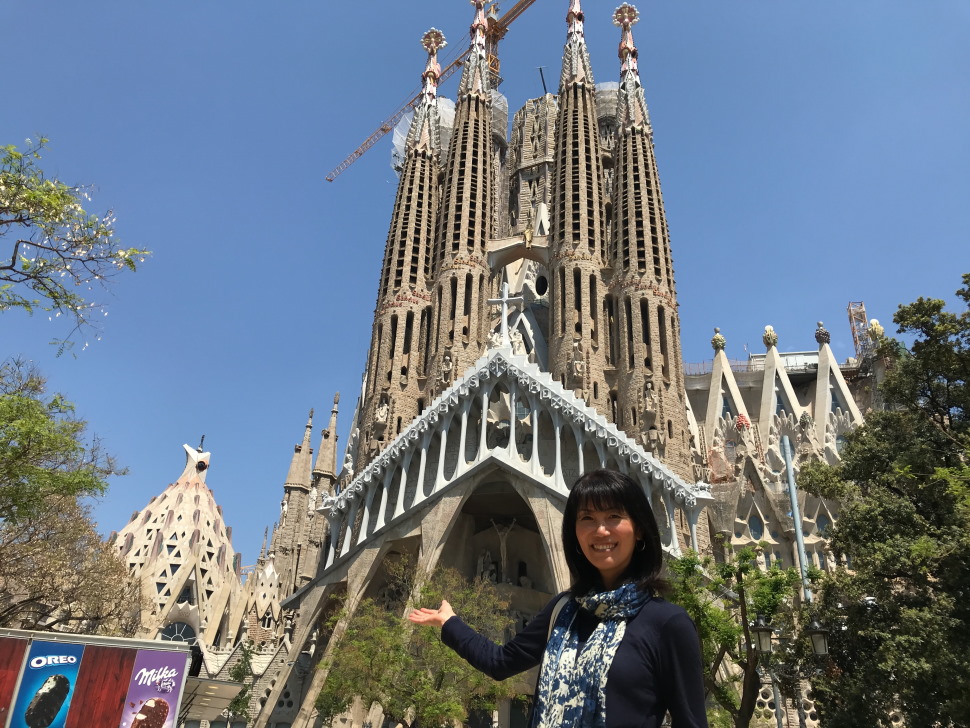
x=859 y=322
x=496 y=30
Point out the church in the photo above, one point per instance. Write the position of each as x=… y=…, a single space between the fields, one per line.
x=526 y=330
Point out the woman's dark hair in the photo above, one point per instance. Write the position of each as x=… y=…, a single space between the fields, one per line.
x=605 y=490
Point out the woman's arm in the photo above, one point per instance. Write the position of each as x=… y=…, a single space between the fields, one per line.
x=684 y=673
x=497 y=661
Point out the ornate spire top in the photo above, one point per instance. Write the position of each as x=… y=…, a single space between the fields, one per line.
x=478 y=26
x=876 y=330
x=574 y=19
x=770 y=337
x=718 y=342
x=822 y=336
x=432 y=41
x=475 y=77
x=625 y=17
x=201 y=443
x=336 y=401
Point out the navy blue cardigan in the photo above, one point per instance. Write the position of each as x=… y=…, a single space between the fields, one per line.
x=656 y=669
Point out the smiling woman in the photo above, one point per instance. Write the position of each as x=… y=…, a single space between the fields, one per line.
x=613 y=652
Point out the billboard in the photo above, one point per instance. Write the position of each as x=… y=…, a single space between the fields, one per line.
x=85 y=682
x=47 y=685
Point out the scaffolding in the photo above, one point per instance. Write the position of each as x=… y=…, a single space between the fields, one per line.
x=859 y=323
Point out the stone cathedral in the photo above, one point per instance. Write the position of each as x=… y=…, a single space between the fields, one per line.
x=526 y=330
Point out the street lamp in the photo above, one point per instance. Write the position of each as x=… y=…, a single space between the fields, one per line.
x=762 y=634
x=820 y=638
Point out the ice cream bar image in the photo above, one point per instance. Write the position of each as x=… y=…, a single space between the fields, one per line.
x=47 y=702
x=152 y=714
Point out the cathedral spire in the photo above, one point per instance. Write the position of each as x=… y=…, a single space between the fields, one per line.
x=578 y=228
x=475 y=76
x=576 y=68
x=327 y=456
x=631 y=106
x=397 y=364
x=423 y=135
x=465 y=223
x=650 y=382
x=298 y=475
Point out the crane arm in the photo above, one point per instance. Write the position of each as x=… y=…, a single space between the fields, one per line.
x=496 y=30
x=390 y=122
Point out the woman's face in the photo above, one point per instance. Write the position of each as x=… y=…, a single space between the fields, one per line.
x=607 y=538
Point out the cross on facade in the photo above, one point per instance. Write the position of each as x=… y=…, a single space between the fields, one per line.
x=504 y=302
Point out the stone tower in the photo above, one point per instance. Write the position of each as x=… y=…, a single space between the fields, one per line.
x=464 y=226
x=645 y=335
x=397 y=367
x=180 y=550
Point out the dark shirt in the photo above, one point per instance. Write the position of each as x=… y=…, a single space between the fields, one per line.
x=657 y=666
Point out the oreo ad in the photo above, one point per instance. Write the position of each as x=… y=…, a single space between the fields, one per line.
x=154 y=690
x=47 y=685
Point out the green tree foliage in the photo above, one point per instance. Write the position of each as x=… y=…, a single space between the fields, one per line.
x=55 y=571
x=415 y=679
x=56 y=252
x=242 y=672
x=723 y=599
x=42 y=449
x=900 y=643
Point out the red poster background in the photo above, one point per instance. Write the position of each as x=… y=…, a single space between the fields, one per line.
x=11 y=658
x=102 y=683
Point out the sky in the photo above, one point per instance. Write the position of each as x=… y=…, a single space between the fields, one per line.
x=811 y=154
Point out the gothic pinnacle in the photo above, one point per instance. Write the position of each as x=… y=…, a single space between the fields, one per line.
x=432 y=41
x=478 y=26
x=625 y=17
x=574 y=19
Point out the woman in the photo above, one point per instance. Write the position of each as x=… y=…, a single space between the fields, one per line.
x=613 y=653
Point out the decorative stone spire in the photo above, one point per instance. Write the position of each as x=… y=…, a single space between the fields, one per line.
x=465 y=225
x=397 y=361
x=576 y=68
x=822 y=336
x=718 y=342
x=631 y=106
x=423 y=135
x=650 y=377
x=475 y=76
x=299 y=474
x=180 y=551
x=770 y=337
x=876 y=330
x=327 y=455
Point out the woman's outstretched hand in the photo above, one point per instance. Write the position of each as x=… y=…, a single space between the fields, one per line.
x=434 y=617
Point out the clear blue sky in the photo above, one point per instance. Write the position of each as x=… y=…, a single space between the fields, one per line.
x=811 y=154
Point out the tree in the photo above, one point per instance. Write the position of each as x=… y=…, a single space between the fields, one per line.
x=899 y=644
x=723 y=600
x=415 y=679
x=42 y=452
x=57 y=252
x=55 y=571
x=242 y=672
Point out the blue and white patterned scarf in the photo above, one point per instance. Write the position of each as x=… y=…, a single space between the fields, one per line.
x=572 y=682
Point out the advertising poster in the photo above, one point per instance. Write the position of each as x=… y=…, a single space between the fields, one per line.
x=102 y=683
x=153 y=694
x=47 y=685
x=11 y=660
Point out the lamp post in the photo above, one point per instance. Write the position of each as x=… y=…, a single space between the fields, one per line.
x=763 y=633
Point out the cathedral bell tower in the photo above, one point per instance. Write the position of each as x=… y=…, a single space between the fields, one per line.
x=643 y=301
x=397 y=366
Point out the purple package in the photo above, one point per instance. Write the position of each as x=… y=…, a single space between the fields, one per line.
x=156 y=679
